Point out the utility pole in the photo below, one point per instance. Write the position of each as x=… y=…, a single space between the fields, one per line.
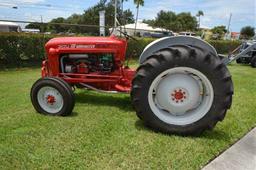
x=115 y=25
x=229 y=22
x=41 y=18
x=227 y=35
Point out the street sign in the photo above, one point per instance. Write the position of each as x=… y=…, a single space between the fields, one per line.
x=102 y=23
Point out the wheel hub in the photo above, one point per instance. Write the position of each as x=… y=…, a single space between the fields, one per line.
x=50 y=99
x=179 y=95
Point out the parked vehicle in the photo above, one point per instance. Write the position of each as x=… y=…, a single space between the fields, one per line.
x=250 y=56
x=181 y=85
x=246 y=54
x=157 y=34
x=187 y=34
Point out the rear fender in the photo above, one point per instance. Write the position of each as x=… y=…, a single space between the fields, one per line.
x=173 y=41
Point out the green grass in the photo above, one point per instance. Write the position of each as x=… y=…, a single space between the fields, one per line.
x=104 y=132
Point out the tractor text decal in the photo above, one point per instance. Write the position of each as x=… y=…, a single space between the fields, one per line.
x=75 y=46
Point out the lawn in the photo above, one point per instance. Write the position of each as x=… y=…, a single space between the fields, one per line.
x=104 y=132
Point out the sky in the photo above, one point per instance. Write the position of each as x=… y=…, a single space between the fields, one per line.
x=216 y=12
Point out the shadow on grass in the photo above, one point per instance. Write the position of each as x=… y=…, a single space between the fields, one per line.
x=117 y=100
x=73 y=114
x=215 y=134
x=139 y=125
x=123 y=102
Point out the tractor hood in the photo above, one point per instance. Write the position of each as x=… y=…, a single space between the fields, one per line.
x=85 y=43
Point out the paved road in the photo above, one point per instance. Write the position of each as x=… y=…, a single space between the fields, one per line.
x=241 y=156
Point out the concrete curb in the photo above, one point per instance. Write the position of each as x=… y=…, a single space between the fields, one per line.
x=240 y=156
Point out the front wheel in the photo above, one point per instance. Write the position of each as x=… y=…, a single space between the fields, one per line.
x=182 y=90
x=52 y=96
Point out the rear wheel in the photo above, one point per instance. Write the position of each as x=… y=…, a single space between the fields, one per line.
x=253 y=61
x=52 y=96
x=182 y=90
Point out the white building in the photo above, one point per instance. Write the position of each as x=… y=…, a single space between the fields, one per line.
x=30 y=30
x=144 y=30
x=9 y=27
x=203 y=27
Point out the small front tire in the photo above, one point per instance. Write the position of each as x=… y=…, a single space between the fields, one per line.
x=52 y=96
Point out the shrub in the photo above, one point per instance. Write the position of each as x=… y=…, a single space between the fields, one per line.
x=135 y=48
x=224 y=46
x=17 y=50
x=221 y=46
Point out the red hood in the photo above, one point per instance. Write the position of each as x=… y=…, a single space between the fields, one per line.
x=83 y=40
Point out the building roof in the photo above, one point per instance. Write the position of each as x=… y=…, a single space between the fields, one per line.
x=8 y=23
x=204 y=27
x=143 y=26
x=235 y=33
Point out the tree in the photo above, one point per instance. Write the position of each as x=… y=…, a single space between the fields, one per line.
x=74 y=19
x=247 y=32
x=166 y=20
x=91 y=17
x=127 y=17
x=174 y=22
x=149 y=21
x=138 y=3
x=123 y=20
x=40 y=26
x=33 y=26
x=219 y=32
x=199 y=14
x=185 y=22
x=58 y=28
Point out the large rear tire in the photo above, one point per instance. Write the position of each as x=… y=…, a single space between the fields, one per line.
x=52 y=96
x=182 y=90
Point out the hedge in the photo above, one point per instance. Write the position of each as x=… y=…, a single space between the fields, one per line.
x=17 y=50
x=221 y=46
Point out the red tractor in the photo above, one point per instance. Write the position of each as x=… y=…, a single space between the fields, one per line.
x=181 y=86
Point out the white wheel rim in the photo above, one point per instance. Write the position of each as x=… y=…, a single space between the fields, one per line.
x=180 y=96
x=50 y=99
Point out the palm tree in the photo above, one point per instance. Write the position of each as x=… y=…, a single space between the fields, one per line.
x=122 y=9
x=138 y=3
x=199 y=14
